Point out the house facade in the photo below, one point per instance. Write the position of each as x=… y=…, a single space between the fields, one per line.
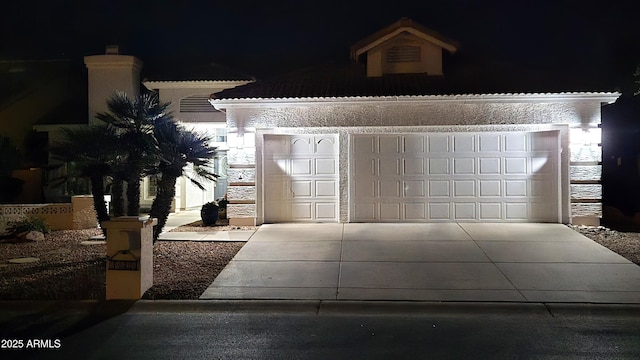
x=395 y=136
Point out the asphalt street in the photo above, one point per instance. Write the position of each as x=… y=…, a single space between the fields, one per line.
x=343 y=330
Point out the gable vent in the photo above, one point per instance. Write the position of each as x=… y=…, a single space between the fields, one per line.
x=404 y=54
x=196 y=103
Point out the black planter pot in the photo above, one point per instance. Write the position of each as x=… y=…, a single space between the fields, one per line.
x=209 y=214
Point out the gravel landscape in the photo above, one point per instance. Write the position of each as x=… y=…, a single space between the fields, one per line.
x=68 y=267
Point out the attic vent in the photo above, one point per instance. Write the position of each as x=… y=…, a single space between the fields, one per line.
x=196 y=103
x=404 y=54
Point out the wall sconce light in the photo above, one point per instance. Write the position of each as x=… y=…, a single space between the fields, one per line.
x=240 y=140
x=586 y=136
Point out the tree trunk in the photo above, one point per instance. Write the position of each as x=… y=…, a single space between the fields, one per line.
x=161 y=205
x=133 y=196
x=97 y=190
x=117 y=198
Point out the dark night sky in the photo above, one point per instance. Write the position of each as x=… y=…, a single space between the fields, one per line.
x=266 y=37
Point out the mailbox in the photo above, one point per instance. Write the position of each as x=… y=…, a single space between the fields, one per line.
x=129 y=257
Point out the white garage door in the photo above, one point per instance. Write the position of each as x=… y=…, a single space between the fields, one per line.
x=497 y=176
x=300 y=178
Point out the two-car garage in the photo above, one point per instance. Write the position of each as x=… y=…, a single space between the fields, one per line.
x=497 y=176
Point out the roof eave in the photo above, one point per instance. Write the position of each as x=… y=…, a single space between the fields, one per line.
x=602 y=97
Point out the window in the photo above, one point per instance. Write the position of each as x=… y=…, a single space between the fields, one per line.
x=152 y=189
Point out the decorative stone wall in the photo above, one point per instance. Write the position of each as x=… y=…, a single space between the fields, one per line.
x=586 y=173
x=241 y=175
x=241 y=211
x=79 y=214
x=57 y=216
x=241 y=193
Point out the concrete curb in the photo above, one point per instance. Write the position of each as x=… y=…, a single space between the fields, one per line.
x=337 y=307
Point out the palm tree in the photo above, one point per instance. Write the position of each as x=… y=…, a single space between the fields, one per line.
x=135 y=120
x=95 y=152
x=179 y=147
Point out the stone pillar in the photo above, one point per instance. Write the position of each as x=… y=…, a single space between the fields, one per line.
x=585 y=175
x=130 y=257
x=241 y=186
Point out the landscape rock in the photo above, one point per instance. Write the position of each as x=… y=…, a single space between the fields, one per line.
x=29 y=236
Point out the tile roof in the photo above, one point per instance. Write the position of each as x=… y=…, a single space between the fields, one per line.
x=189 y=70
x=350 y=80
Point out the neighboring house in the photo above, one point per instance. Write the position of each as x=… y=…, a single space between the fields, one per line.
x=188 y=96
x=399 y=135
x=37 y=96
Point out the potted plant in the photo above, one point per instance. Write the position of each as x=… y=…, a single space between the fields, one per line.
x=209 y=213
x=222 y=204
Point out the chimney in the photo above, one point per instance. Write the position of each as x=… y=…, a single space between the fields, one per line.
x=112 y=50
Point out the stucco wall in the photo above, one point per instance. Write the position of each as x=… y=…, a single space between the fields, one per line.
x=415 y=113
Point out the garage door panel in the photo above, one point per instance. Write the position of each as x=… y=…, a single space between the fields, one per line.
x=390 y=211
x=326 y=188
x=464 y=211
x=301 y=188
x=490 y=142
x=365 y=211
x=414 y=144
x=490 y=211
x=389 y=145
x=325 y=211
x=463 y=143
x=301 y=167
x=389 y=188
x=415 y=211
x=302 y=211
x=439 y=166
x=516 y=211
x=326 y=167
x=515 y=188
x=326 y=145
x=301 y=146
x=542 y=165
x=490 y=188
x=414 y=188
x=464 y=166
x=389 y=166
x=276 y=167
x=438 y=143
x=439 y=188
x=515 y=142
x=439 y=211
x=462 y=188
x=413 y=166
x=461 y=177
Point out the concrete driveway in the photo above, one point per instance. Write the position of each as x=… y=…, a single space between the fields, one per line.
x=427 y=262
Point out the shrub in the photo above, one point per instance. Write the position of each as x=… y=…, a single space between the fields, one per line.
x=32 y=224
